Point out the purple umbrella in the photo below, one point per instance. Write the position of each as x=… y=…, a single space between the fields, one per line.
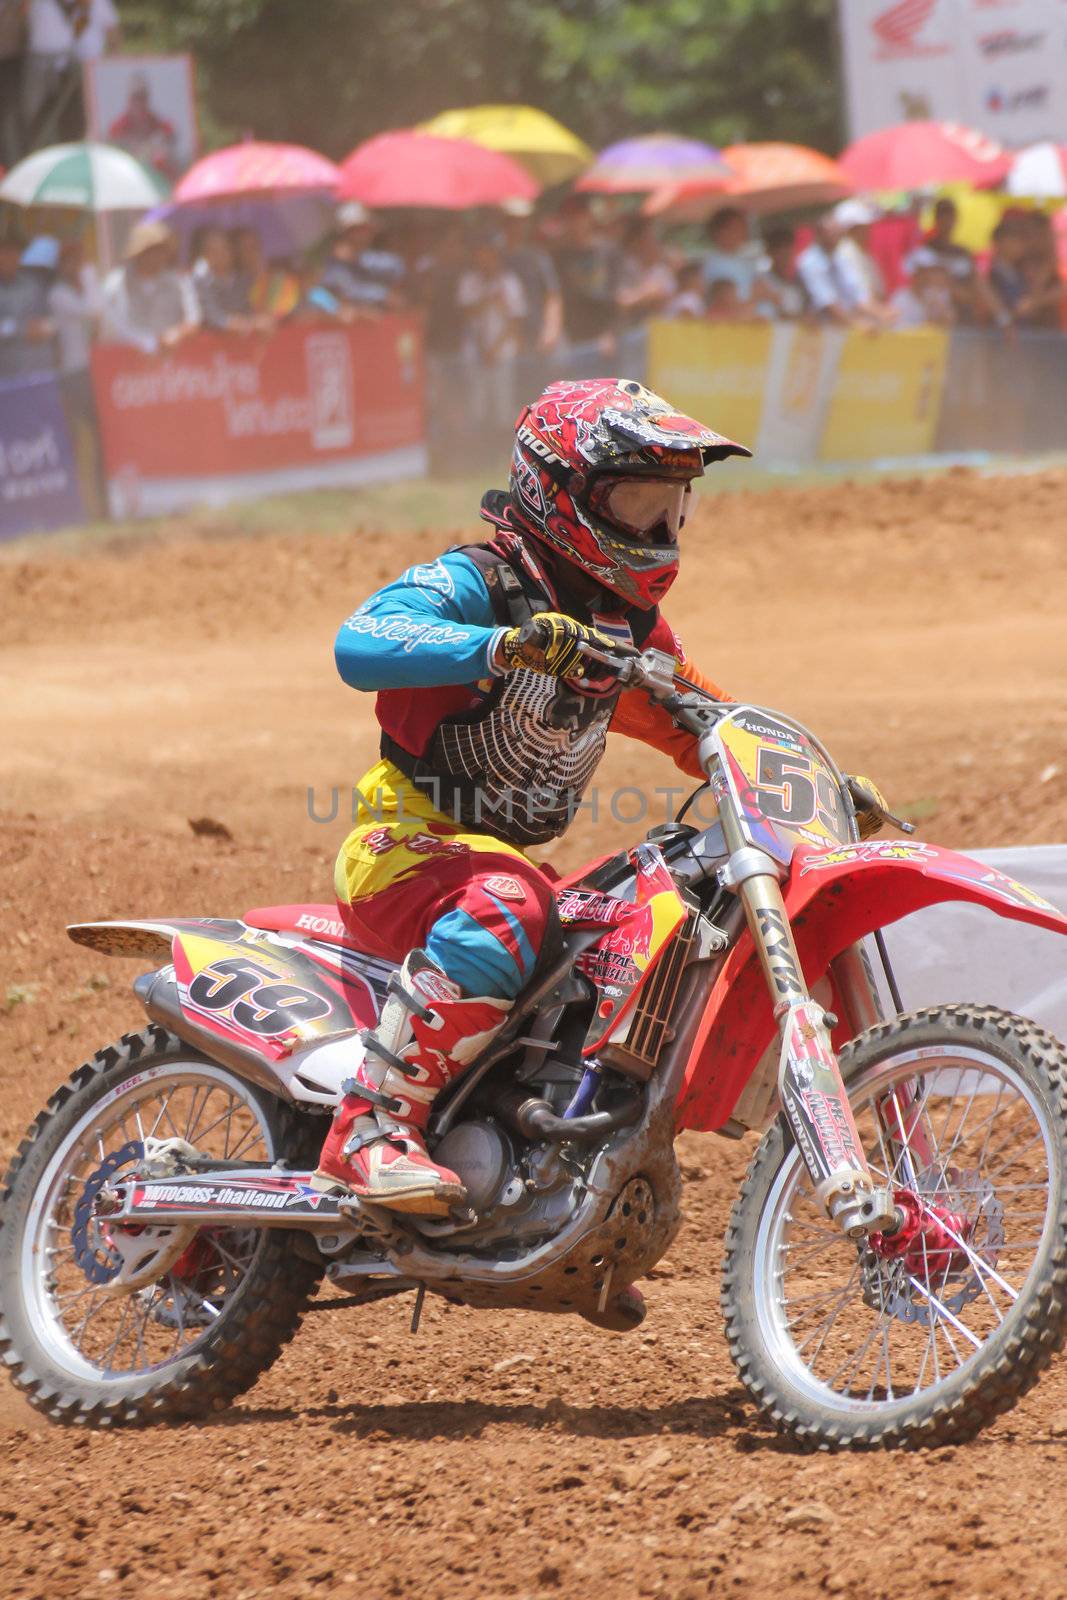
x=286 y=224
x=635 y=166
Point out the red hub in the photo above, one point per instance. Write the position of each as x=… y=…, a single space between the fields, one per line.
x=927 y=1241
x=197 y=1257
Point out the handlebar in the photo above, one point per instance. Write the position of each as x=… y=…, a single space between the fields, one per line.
x=654 y=671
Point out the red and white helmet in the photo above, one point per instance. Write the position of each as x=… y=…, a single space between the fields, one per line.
x=601 y=474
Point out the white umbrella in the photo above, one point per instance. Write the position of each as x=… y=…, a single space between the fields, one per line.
x=1039 y=172
x=86 y=177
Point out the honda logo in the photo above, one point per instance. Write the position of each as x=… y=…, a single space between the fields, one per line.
x=897 y=28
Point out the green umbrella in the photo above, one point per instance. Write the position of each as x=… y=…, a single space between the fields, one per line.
x=86 y=177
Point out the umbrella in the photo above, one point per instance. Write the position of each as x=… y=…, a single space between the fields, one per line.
x=1039 y=172
x=86 y=177
x=542 y=145
x=409 y=168
x=1059 y=229
x=287 y=224
x=768 y=177
x=921 y=155
x=256 y=168
x=635 y=165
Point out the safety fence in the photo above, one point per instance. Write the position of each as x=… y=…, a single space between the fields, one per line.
x=802 y=395
x=320 y=404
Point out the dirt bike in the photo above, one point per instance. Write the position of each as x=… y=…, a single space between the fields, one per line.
x=895 y=1261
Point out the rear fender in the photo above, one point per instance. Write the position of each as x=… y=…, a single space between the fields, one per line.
x=283 y=1013
x=833 y=898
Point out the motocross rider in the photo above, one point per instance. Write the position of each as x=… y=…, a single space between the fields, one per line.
x=494 y=717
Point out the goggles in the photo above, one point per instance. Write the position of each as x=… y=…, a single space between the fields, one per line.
x=639 y=506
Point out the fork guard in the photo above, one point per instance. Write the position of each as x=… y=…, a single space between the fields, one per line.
x=833 y=897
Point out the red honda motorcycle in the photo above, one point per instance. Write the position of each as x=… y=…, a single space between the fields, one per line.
x=895 y=1259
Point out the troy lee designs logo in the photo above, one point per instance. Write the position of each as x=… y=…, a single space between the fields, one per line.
x=871 y=850
x=379 y=840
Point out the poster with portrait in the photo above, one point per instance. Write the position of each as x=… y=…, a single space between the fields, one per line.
x=146 y=104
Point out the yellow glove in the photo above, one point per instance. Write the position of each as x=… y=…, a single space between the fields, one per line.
x=869 y=802
x=553 y=644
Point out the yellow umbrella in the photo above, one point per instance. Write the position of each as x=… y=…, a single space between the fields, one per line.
x=544 y=146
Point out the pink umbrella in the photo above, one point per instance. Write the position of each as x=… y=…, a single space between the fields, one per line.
x=922 y=155
x=636 y=165
x=408 y=168
x=253 y=168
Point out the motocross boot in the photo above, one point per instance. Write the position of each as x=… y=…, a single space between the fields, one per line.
x=428 y=1032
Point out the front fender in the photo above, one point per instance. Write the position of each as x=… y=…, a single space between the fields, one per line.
x=833 y=897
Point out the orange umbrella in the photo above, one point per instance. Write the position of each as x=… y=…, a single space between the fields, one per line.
x=768 y=177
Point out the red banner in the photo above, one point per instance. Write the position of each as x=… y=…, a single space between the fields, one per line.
x=224 y=416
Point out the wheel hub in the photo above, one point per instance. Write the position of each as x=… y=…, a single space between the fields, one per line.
x=885 y=1274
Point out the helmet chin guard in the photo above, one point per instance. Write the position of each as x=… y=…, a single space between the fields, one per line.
x=599 y=475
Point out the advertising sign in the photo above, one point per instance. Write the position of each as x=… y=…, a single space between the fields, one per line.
x=886 y=395
x=800 y=380
x=996 y=65
x=713 y=369
x=147 y=105
x=225 y=417
x=38 y=478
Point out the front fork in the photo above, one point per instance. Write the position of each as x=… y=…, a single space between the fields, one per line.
x=809 y=1080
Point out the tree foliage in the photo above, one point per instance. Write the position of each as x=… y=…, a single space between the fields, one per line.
x=331 y=72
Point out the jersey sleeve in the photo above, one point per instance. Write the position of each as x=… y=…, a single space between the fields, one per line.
x=636 y=717
x=434 y=625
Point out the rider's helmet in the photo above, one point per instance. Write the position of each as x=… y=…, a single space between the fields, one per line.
x=601 y=475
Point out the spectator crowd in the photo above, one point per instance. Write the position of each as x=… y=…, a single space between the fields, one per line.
x=519 y=285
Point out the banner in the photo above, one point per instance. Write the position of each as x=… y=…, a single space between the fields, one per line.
x=713 y=370
x=224 y=417
x=996 y=65
x=38 y=479
x=886 y=395
x=800 y=381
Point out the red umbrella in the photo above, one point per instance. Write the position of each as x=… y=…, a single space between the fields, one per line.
x=253 y=168
x=922 y=155
x=408 y=168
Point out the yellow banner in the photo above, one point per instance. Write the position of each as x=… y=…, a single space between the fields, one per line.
x=886 y=396
x=712 y=370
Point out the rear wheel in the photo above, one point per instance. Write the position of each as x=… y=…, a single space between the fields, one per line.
x=225 y=1303
x=963 y=1108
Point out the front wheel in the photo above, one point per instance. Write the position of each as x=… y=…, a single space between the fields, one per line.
x=224 y=1301
x=926 y=1338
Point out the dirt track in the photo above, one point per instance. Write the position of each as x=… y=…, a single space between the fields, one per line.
x=919 y=627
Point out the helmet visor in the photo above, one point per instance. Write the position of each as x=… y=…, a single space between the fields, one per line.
x=640 y=506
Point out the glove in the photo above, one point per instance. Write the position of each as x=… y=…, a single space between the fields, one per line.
x=867 y=798
x=552 y=643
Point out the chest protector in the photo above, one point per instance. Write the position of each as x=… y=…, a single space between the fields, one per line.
x=517 y=765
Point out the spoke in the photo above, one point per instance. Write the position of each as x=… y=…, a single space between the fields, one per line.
x=943 y=1311
x=991 y=1172
x=851 y=1364
x=830 y=1318
x=195 y=1110
x=105 y=1359
x=246 y=1143
x=159 y=1117
x=973 y=1257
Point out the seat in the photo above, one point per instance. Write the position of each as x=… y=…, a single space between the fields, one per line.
x=322 y=922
